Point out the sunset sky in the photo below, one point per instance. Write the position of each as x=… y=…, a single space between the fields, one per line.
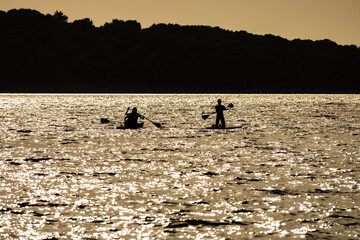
x=337 y=20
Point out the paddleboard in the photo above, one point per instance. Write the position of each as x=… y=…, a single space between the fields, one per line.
x=231 y=127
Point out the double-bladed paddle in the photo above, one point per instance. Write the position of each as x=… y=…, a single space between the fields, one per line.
x=155 y=123
x=105 y=120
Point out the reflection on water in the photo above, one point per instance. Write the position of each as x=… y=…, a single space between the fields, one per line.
x=292 y=170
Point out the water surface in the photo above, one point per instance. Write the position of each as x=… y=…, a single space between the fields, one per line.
x=291 y=171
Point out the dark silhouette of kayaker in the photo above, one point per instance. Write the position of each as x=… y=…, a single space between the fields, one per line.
x=220 y=115
x=131 y=119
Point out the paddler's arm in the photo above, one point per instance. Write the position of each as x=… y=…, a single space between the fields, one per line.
x=127 y=110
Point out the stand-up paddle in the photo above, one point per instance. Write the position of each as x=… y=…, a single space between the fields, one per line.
x=206 y=116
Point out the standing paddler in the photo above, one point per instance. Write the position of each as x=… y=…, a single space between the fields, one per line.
x=220 y=115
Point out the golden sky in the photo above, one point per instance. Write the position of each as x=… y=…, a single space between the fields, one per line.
x=337 y=20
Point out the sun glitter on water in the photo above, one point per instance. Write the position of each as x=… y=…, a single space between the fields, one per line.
x=290 y=171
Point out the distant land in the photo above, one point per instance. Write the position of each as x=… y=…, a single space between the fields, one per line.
x=46 y=53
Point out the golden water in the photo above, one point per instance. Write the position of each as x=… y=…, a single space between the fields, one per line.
x=292 y=171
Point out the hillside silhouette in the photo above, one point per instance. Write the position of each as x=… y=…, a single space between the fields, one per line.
x=46 y=53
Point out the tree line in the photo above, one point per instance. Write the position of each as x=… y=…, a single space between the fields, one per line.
x=47 y=53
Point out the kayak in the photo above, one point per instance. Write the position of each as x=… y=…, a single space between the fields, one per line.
x=140 y=125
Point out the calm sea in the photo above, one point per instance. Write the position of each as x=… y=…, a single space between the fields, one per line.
x=292 y=170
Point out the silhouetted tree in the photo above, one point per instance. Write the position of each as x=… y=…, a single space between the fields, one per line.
x=46 y=53
x=60 y=17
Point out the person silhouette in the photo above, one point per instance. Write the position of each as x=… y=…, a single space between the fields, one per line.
x=131 y=119
x=220 y=115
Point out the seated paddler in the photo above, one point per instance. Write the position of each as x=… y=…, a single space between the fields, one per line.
x=131 y=119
